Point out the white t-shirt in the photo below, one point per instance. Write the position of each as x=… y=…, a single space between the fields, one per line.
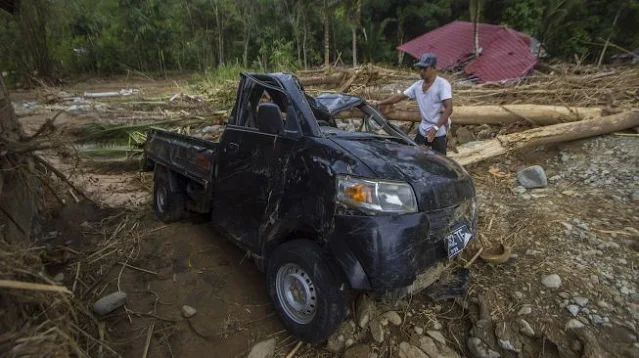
x=430 y=103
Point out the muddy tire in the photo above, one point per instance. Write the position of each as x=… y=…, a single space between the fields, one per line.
x=307 y=294
x=168 y=205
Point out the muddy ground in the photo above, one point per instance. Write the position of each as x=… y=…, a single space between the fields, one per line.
x=582 y=227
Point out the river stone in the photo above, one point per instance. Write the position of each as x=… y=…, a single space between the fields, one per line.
x=532 y=177
x=264 y=349
x=109 y=303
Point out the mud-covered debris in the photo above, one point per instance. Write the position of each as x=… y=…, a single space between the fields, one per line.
x=264 y=349
x=479 y=349
x=358 y=351
x=551 y=281
x=407 y=350
x=337 y=341
x=188 y=311
x=464 y=135
x=109 y=303
x=532 y=177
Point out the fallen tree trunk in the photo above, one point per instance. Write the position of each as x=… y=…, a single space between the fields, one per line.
x=334 y=78
x=498 y=115
x=478 y=151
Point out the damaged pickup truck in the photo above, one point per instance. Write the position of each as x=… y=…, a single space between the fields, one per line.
x=324 y=211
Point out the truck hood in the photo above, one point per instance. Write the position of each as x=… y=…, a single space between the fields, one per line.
x=438 y=182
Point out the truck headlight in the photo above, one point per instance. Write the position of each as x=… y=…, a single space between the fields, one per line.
x=376 y=196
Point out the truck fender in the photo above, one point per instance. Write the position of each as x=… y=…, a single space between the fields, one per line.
x=351 y=267
x=174 y=182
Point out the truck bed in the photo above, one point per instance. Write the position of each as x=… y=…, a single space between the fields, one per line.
x=189 y=156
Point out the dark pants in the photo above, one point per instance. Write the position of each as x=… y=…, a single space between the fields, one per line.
x=438 y=144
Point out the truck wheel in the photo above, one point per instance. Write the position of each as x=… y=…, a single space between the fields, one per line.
x=308 y=295
x=168 y=205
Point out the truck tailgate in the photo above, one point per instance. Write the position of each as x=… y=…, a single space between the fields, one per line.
x=189 y=156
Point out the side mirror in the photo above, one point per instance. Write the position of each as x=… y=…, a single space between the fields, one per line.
x=292 y=128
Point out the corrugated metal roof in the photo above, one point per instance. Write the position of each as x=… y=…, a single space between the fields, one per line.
x=453 y=42
x=506 y=57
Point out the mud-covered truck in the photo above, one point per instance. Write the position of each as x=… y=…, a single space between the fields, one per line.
x=325 y=211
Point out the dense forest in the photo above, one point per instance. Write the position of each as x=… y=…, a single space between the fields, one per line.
x=54 y=38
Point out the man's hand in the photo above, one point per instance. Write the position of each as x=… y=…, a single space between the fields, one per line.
x=430 y=136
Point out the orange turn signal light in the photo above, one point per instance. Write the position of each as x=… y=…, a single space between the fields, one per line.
x=360 y=193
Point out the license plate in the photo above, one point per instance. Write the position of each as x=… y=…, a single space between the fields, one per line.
x=458 y=239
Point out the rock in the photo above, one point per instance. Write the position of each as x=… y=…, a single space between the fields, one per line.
x=358 y=351
x=526 y=197
x=581 y=301
x=519 y=189
x=526 y=309
x=506 y=345
x=551 y=281
x=635 y=196
x=109 y=303
x=624 y=290
x=573 y=309
x=393 y=317
x=349 y=342
x=336 y=342
x=525 y=328
x=407 y=350
x=437 y=336
x=532 y=177
x=377 y=331
x=419 y=330
x=623 y=261
x=596 y=319
x=576 y=346
x=264 y=349
x=437 y=326
x=564 y=295
x=188 y=311
x=427 y=345
x=519 y=295
x=594 y=279
x=464 y=135
x=59 y=277
x=480 y=349
x=365 y=309
x=574 y=324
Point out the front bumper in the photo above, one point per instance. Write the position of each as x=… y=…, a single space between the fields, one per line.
x=392 y=251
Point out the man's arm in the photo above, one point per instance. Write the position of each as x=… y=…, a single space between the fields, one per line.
x=392 y=100
x=448 y=110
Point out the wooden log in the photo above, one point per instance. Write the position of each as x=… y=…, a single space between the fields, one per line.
x=478 y=151
x=496 y=115
x=334 y=78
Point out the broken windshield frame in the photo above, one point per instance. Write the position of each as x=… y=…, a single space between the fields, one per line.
x=362 y=121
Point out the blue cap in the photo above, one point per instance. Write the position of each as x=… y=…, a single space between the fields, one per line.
x=427 y=60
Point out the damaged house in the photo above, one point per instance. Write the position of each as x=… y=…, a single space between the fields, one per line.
x=505 y=54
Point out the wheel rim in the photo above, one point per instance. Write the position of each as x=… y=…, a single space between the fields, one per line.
x=296 y=293
x=161 y=198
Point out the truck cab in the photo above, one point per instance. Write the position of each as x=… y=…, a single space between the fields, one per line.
x=322 y=209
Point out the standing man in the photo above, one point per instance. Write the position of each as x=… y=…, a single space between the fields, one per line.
x=435 y=100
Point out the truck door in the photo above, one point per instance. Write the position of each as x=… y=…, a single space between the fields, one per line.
x=247 y=168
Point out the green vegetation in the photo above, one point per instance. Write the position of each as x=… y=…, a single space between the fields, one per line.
x=52 y=39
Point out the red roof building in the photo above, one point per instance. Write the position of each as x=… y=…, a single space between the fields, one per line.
x=505 y=54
